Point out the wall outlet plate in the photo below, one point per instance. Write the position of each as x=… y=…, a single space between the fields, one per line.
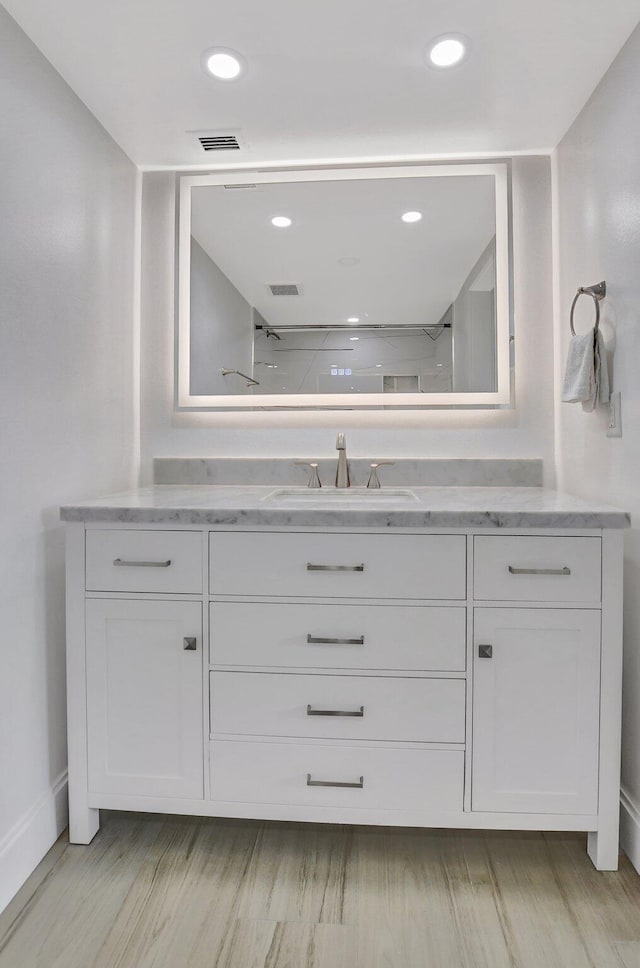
x=614 y=427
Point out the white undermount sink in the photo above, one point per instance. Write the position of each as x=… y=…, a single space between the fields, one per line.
x=308 y=496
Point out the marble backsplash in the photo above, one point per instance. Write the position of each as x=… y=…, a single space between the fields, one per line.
x=288 y=471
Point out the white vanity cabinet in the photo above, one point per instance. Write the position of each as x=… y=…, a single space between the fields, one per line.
x=459 y=678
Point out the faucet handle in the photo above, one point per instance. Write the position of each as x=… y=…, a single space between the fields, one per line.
x=314 y=480
x=374 y=480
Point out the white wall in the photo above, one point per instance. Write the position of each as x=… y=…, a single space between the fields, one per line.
x=67 y=410
x=526 y=431
x=597 y=232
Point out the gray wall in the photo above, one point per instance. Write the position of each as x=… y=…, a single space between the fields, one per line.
x=597 y=188
x=221 y=329
x=474 y=328
x=67 y=415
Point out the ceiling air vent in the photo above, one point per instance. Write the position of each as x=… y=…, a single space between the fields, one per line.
x=284 y=289
x=219 y=142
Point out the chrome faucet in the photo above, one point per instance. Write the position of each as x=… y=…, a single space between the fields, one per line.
x=342 y=473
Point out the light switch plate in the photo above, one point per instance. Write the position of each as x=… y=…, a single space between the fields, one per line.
x=614 y=427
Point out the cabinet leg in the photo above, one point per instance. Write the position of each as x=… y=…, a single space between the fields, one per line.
x=84 y=824
x=603 y=848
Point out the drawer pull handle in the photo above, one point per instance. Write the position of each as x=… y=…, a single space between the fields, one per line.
x=358 y=785
x=321 y=640
x=189 y=644
x=485 y=651
x=312 y=567
x=358 y=713
x=539 y=571
x=141 y=564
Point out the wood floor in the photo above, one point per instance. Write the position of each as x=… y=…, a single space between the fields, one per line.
x=158 y=892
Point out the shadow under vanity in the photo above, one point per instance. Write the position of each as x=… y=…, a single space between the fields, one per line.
x=453 y=660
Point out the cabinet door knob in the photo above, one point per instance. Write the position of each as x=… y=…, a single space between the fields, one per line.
x=189 y=644
x=485 y=651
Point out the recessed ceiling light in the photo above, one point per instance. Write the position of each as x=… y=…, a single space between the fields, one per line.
x=412 y=216
x=281 y=221
x=353 y=339
x=223 y=63
x=353 y=319
x=378 y=364
x=447 y=50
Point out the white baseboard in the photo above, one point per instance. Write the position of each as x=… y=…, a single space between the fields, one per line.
x=630 y=828
x=24 y=846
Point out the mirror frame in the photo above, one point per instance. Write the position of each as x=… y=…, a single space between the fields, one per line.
x=500 y=398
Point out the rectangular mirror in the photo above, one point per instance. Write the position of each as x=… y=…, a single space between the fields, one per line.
x=369 y=287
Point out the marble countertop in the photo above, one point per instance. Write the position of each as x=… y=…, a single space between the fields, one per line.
x=437 y=507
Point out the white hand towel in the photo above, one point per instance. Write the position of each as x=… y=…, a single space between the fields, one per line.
x=586 y=379
x=602 y=394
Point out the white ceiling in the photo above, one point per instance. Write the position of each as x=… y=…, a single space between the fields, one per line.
x=405 y=274
x=333 y=80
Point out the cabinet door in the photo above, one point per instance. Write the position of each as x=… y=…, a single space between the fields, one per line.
x=144 y=698
x=536 y=710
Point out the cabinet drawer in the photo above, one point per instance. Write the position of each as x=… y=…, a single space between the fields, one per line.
x=403 y=637
x=338 y=707
x=338 y=565
x=386 y=779
x=144 y=561
x=532 y=569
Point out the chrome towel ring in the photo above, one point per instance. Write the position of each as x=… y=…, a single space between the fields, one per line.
x=597 y=292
